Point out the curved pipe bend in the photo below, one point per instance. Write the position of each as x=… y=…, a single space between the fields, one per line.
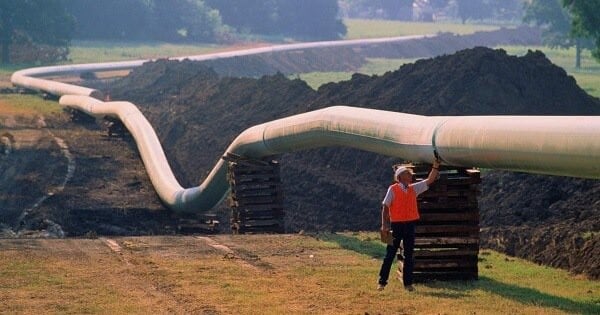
x=535 y=144
x=546 y=145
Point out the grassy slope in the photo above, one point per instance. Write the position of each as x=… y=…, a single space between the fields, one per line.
x=264 y=274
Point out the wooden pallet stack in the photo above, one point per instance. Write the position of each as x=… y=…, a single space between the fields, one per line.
x=197 y=224
x=447 y=235
x=256 y=196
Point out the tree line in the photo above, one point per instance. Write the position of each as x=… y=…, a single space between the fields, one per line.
x=424 y=10
x=55 y=22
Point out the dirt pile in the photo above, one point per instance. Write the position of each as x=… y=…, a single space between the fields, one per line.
x=548 y=219
x=448 y=43
x=478 y=81
x=197 y=114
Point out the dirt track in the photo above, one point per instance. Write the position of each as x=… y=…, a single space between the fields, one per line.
x=41 y=198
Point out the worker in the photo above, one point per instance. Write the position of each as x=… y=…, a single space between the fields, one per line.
x=399 y=215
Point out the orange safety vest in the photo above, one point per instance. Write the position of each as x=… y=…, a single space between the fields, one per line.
x=404 y=205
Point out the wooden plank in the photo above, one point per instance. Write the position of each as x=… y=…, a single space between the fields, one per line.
x=261 y=207
x=424 y=229
x=430 y=253
x=463 y=190
x=274 y=184
x=238 y=160
x=444 y=241
x=258 y=200
x=457 y=181
x=446 y=200
x=449 y=193
x=442 y=265
x=247 y=217
x=238 y=195
x=241 y=179
x=261 y=222
x=420 y=277
x=423 y=264
x=240 y=174
x=260 y=217
x=457 y=204
x=269 y=230
x=259 y=212
x=240 y=167
x=445 y=216
x=466 y=211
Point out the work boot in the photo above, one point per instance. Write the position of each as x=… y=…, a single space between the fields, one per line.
x=380 y=287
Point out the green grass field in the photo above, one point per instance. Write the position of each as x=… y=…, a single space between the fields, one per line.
x=373 y=66
x=507 y=278
x=358 y=28
x=27 y=104
x=104 y=51
x=588 y=76
x=264 y=274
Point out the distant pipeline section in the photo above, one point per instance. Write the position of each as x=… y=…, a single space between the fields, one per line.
x=554 y=145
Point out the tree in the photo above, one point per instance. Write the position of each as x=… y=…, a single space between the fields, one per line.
x=314 y=19
x=472 y=10
x=505 y=10
x=247 y=16
x=110 y=19
x=586 y=21
x=311 y=19
x=184 y=20
x=40 y=21
x=556 y=24
x=164 y=20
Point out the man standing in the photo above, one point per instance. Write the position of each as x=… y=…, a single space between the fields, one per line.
x=400 y=213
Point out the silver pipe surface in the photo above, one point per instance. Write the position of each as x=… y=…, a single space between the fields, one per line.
x=552 y=145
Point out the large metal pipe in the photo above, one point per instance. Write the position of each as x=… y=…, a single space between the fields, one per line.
x=535 y=144
x=546 y=145
x=30 y=78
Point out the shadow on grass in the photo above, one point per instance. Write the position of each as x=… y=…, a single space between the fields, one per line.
x=459 y=289
x=372 y=248
x=527 y=296
x=536 y=297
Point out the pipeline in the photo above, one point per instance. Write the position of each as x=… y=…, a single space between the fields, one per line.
x=553 y=145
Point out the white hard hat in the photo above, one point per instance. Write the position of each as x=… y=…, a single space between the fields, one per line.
x=401 y=170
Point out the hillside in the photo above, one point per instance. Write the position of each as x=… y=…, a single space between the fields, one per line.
x=326 y=189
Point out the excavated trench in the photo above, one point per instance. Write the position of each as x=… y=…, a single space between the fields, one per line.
x=338 y=189
x=550 y=220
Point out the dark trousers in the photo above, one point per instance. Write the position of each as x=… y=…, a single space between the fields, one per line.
x=401 y=231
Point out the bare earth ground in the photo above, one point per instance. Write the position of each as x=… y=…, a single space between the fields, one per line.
x=80 y=187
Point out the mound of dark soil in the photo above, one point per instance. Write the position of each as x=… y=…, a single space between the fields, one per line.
x=448 y=43
x=477 y=81
x=197 y=114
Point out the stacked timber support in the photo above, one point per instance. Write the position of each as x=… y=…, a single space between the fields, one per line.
x=197 y=224
x=256 y=198
x=447 y=234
